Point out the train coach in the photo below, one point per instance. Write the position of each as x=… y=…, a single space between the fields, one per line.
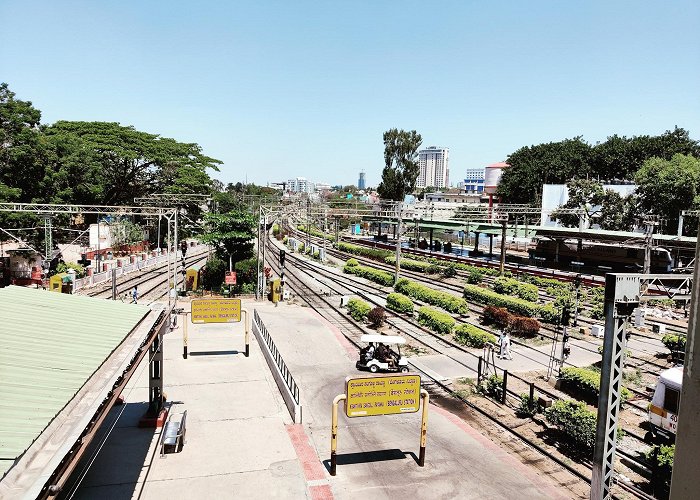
x=617 y=258
x=663 y=410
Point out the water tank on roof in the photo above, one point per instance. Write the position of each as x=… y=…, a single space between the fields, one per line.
x=492 y=176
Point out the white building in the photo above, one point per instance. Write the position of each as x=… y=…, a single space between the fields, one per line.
x=300 y=185
x=474 y=180
x=322 y=186
x=434 y=170
x=556 y=195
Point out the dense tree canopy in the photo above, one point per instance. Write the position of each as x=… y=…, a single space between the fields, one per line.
x=665 y=187
x=400 y=165
x=558 y=162
x=594 y=205
x=231 y=234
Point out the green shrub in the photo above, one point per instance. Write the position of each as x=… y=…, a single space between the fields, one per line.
x=315 y=232
x=549 y=313
x=475 y=277
x=399 y=303
x=435 y=320
x=529 y=407
x=473 y=336
x=371 y=253
x=661 y=457
x=381 y=277
x=489 y=297
x=63 y=267
x=445 y=300
x=510 y=286
x=352 y=262
x=450 y=271
x=552 y=286
x=433 y=269
x=596 y=298
x=585 y=383
x=301 y=248
x=358 y=309
x=575 y=420
x=674 y=342
x=494 y=387
x=409 y=264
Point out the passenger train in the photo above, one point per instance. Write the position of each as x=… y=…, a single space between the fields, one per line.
x=617 y=258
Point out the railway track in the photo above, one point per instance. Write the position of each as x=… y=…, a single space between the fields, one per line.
x=324 y=304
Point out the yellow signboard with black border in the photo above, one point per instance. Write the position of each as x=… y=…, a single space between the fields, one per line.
x=216 y=310
x=383 y=395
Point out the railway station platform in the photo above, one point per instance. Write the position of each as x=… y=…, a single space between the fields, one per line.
x=242 y=443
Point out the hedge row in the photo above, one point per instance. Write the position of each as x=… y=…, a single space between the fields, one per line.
x=549 y=284
x=520 y=326
x=585 y=383
x=473 y=336
x=575 y=420
x=436 y=320
x=444 y=300
x=510 y=286
x=399 y=303
x=409 y=264
x=372 y=253
x=381 y=277
x=358 y=309
x=522 y=307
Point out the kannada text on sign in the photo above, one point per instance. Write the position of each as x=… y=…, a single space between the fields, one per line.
x=382 y=395
x=216 y=310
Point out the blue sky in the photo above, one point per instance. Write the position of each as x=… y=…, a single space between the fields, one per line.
x=283 y=89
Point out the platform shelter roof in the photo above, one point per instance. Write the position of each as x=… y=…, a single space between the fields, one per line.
x=52 y=344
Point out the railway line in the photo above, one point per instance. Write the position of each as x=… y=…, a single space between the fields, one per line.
x=342 y=285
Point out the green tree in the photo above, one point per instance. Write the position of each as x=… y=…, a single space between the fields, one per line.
x=584 y=195
x=665 y=187
x=551 y=163
x=133 y=163
x=400 y=165
x=231 y=234
x=618 y=213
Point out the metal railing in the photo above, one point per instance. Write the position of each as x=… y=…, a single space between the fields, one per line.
x=288 y=379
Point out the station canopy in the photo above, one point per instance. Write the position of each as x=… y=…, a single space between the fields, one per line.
x=52 y=344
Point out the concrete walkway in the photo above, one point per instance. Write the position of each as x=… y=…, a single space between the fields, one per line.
x=241 y=442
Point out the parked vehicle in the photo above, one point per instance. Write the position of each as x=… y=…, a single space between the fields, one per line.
x=379 y=356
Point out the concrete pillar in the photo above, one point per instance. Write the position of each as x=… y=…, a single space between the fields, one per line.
x=490 y=245
x=556 y=250
x=684 y=482
x=476 y=241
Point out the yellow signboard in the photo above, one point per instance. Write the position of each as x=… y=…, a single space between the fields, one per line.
x=386 y=395
x=216 y=310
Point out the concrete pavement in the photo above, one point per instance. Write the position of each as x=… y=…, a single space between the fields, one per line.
x=241 y=442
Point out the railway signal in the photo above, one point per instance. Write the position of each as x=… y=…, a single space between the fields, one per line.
x=282 y=256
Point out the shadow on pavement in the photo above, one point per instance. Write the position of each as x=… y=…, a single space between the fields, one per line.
x=111 y=467
x=214 y=353
x=370 y=456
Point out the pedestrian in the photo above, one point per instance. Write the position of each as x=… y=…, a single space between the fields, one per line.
x=134 y=295
x=505 y=347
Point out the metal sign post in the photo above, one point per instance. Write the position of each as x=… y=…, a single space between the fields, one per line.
x=385 y=395
x=219 y=311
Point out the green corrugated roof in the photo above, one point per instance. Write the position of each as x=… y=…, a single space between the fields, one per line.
x=50 y=345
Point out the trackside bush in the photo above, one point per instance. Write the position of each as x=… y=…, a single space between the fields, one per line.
x=498 y=316
x=575 y=420
x=489 y=297
x=529 y=407
x=510 y=286
x=661 y=458
x=472 y=336
x=372 y=253
x=585 y=383
x=435 y=320
x=358 y=309
x=444 y=300
x=381 y=277
x=399 y=303
x=475 y=277
x=409 y=264
x=552 y=286
x=352 y=262
x=673 y=342
x=524 y=327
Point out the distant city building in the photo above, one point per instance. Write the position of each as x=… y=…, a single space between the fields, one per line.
x=474 y=180
x=300 y=185
x=434 y=170
x=322 y=186
x=361 y=181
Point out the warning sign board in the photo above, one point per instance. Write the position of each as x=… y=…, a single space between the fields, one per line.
x=216 y=310
x=386 y=395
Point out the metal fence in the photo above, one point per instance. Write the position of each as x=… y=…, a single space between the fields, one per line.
x=288 y=379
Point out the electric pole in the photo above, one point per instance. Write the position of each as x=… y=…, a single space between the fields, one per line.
x=398 y=242
x=650 y=221
x=503 y=219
